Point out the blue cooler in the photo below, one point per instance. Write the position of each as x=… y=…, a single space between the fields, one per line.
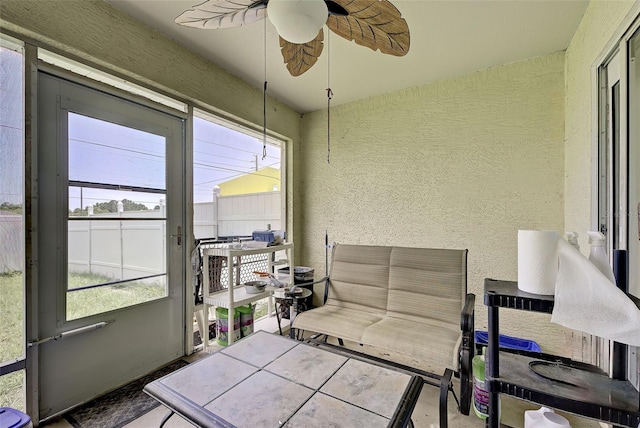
x=268 y=235
x=12 y=418
x=507 y=342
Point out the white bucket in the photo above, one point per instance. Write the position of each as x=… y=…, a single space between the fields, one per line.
x=544 y=418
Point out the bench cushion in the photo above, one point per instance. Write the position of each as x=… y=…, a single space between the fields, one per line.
x=427 y=282
x=434 y=343
x=360 y=277
x=345 y=323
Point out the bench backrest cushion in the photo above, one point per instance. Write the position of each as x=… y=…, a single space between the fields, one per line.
x=427 y=282
x=360 y=277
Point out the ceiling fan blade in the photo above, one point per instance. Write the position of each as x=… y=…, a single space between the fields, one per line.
x=214 y=14
x=376 y=24
x=301 y=57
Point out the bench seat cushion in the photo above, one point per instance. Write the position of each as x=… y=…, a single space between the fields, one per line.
x=432 y=342
x=335 y=321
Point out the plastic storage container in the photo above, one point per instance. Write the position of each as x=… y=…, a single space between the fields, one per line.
x=12 y=418
x=507 y=342
x=222 y=326
x=267 y=235
x=544 y=418
x=598 y=255
x=246 y=320
x=301 y=275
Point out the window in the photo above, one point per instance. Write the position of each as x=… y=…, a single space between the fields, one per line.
x=12 y=253
x=238 y=188
x=237 y=181
x=117 y=220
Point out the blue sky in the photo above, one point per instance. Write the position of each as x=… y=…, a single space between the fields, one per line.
x=107 y=153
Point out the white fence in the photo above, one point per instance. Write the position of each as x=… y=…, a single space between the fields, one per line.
x=11 y=243
x=124 y=249
x=237 y=215
x=117 y=249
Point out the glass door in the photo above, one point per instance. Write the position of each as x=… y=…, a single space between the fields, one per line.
x=111 y=258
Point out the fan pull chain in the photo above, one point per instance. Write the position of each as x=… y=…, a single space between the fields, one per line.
x=264 y=121
x=329 y=96
x=264 y=98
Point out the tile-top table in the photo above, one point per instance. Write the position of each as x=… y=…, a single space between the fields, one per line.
x=266 y=380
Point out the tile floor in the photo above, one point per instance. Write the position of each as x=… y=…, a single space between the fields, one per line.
x=425 y=414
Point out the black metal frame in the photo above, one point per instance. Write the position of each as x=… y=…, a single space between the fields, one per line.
x=467 y=352
x=294 y=305
x=622 y=402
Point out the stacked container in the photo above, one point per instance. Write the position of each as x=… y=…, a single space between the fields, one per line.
x=246 y=319
x=301 y=275
x=222 y=326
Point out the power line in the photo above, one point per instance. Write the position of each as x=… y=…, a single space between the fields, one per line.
x=229 y=147
x=240 y=173
x=220 y=156
x=163 y=156
x=93 y=143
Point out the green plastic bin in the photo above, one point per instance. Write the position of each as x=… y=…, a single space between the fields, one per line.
x=222 y=326
x=246 y=320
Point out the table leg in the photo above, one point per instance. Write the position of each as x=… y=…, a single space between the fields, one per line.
x=275 y=303
x=445 y=384
x=492 y=367
x=293 y=311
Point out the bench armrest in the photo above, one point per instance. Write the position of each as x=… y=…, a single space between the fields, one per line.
x=467 y=315
x=326 y=289
x=466 y=353
x=326 y=286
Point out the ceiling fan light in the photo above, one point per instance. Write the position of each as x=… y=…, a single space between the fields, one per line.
x=297 y=21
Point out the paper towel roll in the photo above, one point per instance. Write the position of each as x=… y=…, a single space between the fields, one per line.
x=537 y=261
x=588 y=301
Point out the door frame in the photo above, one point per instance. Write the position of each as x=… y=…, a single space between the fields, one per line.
x=32 y=69
x=617 y=45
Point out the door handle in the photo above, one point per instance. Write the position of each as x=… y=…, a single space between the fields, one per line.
x=178 y=236
x=69 y=333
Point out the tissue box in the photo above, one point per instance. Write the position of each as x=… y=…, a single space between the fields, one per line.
x=267 y=235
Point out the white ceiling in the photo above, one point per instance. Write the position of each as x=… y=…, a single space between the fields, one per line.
x=448 y=38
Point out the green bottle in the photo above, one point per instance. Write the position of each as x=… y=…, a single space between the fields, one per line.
x=480 y=392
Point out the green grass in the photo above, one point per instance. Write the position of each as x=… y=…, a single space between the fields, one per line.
x=12 y=392
x=12 y=338
x=93 y=301
x=11 y=316
x=79 y=304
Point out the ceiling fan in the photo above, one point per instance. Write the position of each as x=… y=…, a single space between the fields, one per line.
x=376 y=24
